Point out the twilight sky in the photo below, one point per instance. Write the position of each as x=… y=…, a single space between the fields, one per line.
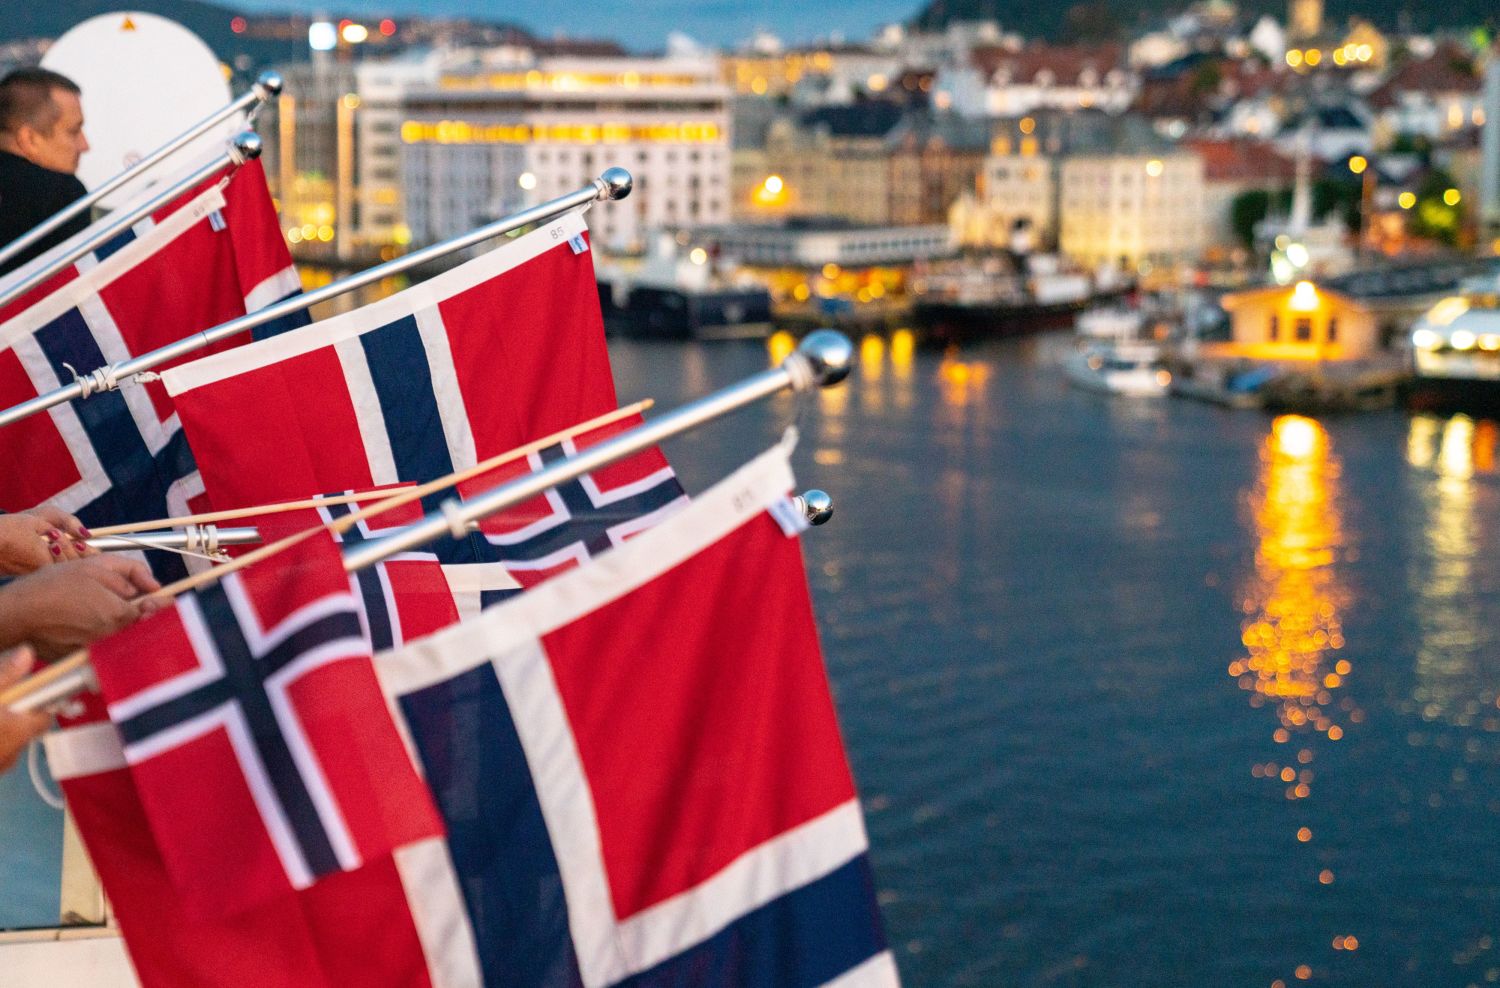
x=640 y=24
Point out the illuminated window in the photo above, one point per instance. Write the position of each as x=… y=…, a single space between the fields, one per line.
x=1304 y=330
x=1275 y=328
x=1333 y=329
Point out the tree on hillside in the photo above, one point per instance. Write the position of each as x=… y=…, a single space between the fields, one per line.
x=1434 y=216
x=1093 y=21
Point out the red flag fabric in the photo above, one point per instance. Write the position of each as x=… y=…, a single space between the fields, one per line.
x=251 y=720
x=499 y=351
x=351 y=928
x=119 y=456
x=640 y=766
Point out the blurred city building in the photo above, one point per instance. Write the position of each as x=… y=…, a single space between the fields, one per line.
x=1001 y=82
x=495 y=135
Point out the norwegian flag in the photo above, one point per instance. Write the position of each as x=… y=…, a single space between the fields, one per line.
x=574 y=521
x=350 y=928
x=640 y=770
x=251 y=719
x=400 y=599
x=119 y=456
x=512 y=345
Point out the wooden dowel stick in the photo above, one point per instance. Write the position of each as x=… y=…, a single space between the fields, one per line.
x=234 y=514
x=212 y=517
x=80 y=658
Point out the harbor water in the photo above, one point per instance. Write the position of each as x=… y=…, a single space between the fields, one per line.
x=1135 y=692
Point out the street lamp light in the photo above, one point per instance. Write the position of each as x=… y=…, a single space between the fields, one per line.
x=1360 y=165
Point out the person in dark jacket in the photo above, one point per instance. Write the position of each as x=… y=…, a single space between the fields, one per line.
x=41 y=140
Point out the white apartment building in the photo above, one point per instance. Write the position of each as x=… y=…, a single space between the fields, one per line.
x=487 y=140
x=1134 y=209
x=380 y=88
x=1019 y=187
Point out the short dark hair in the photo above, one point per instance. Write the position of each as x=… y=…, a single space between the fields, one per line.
x=26 y=99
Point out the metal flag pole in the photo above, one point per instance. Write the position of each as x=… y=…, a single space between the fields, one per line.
x=202 y=539
x=814 y=505
x=267 y=87
x=822 y=359
x=614 y=183
x=243 y=148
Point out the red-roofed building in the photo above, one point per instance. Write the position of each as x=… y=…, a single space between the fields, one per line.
x=1233 y=166
x=1001 y=82
x=1432 y=97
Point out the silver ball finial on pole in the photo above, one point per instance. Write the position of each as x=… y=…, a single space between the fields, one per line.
x=829 y=356
x=247 y=145
x=268 y=85
x=615 y=184
x=816 y=506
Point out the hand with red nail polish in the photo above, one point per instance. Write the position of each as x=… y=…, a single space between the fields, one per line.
x=32 y=539
x=27 y=543
x=66 y=530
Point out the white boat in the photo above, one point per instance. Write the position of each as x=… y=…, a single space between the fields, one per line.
x=1455 y=351
x=1131 y=369
x=1113 y=358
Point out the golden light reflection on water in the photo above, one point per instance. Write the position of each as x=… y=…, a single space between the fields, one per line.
x=872 y=357
x=1455 y=448
x=903 y=346
x=871 y=371
x=960 y=381
x=1292 y=631
x=884 y=383
x=833 y=404
x=885 y=370
x=1449 y=685
x=902 y=350
x=1292 y=601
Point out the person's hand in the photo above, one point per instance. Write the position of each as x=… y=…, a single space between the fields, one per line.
x=63 y=607
x=74 y=543
x=30 y=540
x=16 y=730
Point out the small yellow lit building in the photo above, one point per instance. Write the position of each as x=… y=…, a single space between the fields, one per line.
x=1298 y=322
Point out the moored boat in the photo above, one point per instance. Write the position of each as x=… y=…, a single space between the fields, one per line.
x=1114 y=358
x=994 y=299
x=1131 y=369
x=1455 y=351
x=682 y=295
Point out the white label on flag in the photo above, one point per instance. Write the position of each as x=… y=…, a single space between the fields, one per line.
x=791 y=519
x=578 y=244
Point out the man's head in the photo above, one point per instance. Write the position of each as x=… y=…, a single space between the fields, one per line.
x=41 y=119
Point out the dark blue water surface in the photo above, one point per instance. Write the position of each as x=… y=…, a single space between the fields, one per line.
x=1136 y=692
x=1077 y=644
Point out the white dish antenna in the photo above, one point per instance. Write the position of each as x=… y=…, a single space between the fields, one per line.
x=145 y=80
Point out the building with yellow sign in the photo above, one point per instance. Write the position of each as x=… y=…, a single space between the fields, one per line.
x=487 y=141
